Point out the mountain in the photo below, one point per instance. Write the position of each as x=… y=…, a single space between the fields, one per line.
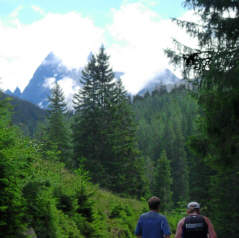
x=9 y=92
x=165 y=78
x=16 y=93
x=50 y=70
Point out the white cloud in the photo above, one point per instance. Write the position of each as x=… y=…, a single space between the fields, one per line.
x=69 y=87
x=23 y=47
x=137 y=38
x=38 y=10
x=141 y=36
x=15 y=12
x=150 y=3
x=49 y=83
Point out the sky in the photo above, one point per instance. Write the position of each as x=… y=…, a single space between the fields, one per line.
x=134 y=32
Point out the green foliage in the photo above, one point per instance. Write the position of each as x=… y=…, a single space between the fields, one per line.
x=104 y=130
x=166 y=120
x=15 y=158
x=55 y=135
x=215 y=70
x=25 y=114
x=176 y=215
x=163 y=181
x=39 y=193
x=59 y=204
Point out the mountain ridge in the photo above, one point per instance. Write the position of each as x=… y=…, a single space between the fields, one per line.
x=52 y=70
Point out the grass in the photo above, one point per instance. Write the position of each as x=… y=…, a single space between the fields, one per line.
x=121 y=225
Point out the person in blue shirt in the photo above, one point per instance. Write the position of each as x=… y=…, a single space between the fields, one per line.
x=152 y=224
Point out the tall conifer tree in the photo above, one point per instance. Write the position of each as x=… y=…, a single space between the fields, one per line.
x=163 y=181
x=104 y=129
x=57 y=132
x=215 y=69
x=14 y=155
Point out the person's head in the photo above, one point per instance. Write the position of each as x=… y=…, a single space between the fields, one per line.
x=154 y=203
x=193 y=207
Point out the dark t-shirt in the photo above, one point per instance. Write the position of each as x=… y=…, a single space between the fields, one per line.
x=152 y=225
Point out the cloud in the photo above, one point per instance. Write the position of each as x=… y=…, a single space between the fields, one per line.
x=69 y=87
x=135 y=38
x=49 y=83
x=15 y=12
x=150 y=3
x=38 y=10
x=23 y=47
x=140 y=37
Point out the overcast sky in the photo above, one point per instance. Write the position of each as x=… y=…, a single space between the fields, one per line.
x=134 y=32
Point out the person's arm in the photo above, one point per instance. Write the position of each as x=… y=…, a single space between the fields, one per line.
x=179 y=231
x=211 y=231
x=165 y=228
x=138 y=230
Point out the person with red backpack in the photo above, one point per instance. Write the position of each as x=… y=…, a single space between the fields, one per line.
x=195 y=225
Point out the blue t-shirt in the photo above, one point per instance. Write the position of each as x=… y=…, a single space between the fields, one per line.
x=152 y=225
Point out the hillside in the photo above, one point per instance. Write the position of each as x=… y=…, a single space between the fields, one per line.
x=165 y=123
x=101 y=213
x=25 y=114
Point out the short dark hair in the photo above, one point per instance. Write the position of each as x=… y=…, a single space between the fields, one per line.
x=154 y=203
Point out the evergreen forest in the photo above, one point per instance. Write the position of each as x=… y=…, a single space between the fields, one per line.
x=89 y=172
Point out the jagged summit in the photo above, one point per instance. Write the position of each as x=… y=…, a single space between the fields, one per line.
x=53 y=70
x=51 y=58
x=17 y=92
x=50 y=70
x=9 y=92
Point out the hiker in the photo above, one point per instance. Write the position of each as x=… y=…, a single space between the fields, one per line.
x=152 y=224
x=195 y=225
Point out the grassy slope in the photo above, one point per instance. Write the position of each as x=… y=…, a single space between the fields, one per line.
x=121 y=213
x=105 y=202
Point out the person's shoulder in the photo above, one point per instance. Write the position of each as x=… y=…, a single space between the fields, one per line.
x=144 y=214
x=206 y=219
x=162 y=217
x=181 y=222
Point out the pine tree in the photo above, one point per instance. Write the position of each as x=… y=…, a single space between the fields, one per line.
x=56 y=136
x=126 y=160
x=14 y=155
x=214 y=68
x=165 y=123
x=162 y=186
x=180 y=168
x=174 y=144
x=87 y=122
x=104 y=129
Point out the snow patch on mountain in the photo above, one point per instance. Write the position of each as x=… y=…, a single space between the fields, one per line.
x=165 y=78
